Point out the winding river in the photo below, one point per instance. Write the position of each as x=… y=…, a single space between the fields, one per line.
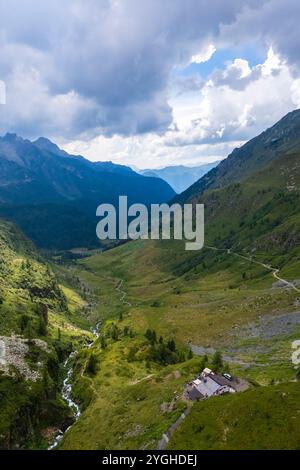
x=66 y=391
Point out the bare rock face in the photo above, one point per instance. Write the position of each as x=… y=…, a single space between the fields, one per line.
x=13 y=351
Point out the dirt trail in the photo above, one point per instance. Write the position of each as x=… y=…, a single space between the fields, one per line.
x=123 y=293
x=162 y=444
x=273 y=270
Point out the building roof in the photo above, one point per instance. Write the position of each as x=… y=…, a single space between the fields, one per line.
x=208 y=387
x=197 y=382
x=221 y=380
x=194 y=394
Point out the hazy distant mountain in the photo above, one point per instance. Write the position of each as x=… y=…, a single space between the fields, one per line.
x=180 y=177
x=53 y=195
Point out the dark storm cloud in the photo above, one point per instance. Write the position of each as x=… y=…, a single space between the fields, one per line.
x=84 y=67
x=275 y=23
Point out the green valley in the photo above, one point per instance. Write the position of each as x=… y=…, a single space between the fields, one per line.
x=162 y=314
x=238 y=295
x=218 y=309
x=149 y=231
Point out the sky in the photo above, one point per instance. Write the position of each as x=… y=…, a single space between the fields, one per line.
x=148 y=83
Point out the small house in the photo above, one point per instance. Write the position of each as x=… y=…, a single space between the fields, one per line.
x=209 y=384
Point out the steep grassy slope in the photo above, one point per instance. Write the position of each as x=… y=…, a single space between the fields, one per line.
x=264 y=418
x=281 y=139
x=26 y=283
x=258 y=217
x=37 y=329
x=129 y=402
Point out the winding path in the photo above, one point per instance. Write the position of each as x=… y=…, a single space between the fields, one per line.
x=162 y=444
x=123 y=293
x=67 y=388
x=273 y=270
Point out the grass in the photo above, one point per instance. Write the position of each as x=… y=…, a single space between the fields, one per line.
x=202 y=305
x=123 y=403
x=208 y=306
x=208 y=298
x=264 y=418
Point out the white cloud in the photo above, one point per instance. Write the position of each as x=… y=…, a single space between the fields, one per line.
x=272 y=63
x=238 y=74
x=208 y=123
x=295 y=92
x=98 y=75
x=112 y=58
x=204 y=55
x=235 y=103
x=271 y=23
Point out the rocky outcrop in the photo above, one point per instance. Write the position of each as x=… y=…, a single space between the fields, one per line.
x=13 y=351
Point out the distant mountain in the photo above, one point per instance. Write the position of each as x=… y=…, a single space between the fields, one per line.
x=53 y=195
x=180 y=177
x=269 y=146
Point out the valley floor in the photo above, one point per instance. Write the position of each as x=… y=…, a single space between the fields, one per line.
x=248 y=317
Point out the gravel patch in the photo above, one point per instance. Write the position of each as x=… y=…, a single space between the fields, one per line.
x=13 y=351
x=267 y=327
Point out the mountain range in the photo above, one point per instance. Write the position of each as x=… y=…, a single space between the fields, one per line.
x=53 y=195
x=156 y=303
x=180 y=177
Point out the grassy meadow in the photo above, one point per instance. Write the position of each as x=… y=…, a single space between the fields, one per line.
x=208 y=302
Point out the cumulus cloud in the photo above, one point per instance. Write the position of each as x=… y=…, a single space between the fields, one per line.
x=275 y=23
x=238 y=74
x=102 y=76
x=112 y=58
x=235 y=104
x=204 y=55
x=209 y=122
